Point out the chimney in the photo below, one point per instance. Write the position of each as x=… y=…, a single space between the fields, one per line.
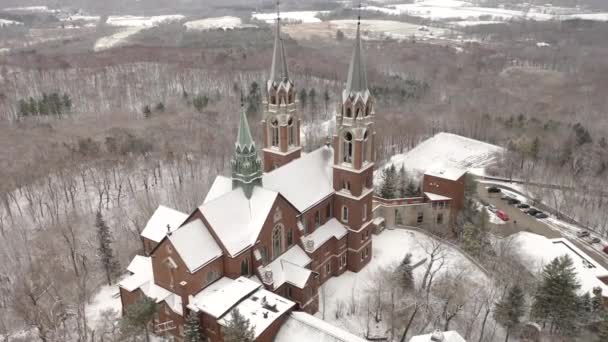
x=265 y=313
x=309 y=245
x=183 y=293
x=268 y=277
x=169 y=230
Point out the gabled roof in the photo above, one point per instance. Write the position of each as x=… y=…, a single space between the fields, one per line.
x=221 y=296
x=332 y=228
x=156 y=228
x=195 y=245
x=290 y=268
x=220 y=186
x=142 y=278
x=302 y=327
x=304 y=181
x=237 y=220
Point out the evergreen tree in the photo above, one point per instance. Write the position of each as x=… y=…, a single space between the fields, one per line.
x=388 y=189
x=67 y=102
x=339 y=35
x=192 y=329
x=326 y=99
x=535 y=148
x=402 y=183
x=406 y=272
x=24 y=109
x=603 y=329
x=160 y=107
x=200 y=102
x=238 y=329
x=33 y=104
x=303 y=97
x=555 y=300
x=147 y=111
x=603 y=143
x=509 y=311
x=254 y=99
x=312 y=95
x=471 y=236
x=139 y=314
x=412 y=190
x=105 y=251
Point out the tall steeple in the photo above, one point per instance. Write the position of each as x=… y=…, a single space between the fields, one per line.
x=354 y=158
x=281 y=123
x=246 y=164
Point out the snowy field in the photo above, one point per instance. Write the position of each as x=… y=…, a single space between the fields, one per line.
x=6 y=22
x=299 y=16
x=446 y=151
x=389 y=248
x=117 y=39
x=131 y=26
x=467 y=10
x=536 y=251
x=219 y=23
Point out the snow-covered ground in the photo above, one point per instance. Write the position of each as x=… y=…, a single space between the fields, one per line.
x=139 y=21
x=296 y=16
x=223 y=23
x=6 y=22
x=446 y=151
x=117 y=39
x=107 y=298
x=467 y=10
x=389 y=248
x=536 y=251
x=32 y=9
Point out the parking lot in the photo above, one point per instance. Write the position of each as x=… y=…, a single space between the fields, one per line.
x=520 y=221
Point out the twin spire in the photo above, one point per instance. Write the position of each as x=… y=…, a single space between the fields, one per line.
x=357 y=72
x=278 y=72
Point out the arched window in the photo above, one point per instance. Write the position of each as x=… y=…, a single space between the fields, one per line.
x=368 y=109
x=349 y=112
x=357 y=111
x=274 y=132
x=344 y=214
x=365 y=147
x=347 y=148
x=277 y=241
x=245 y=267
x=291 y=129
x=289 y=237
x=273 y=99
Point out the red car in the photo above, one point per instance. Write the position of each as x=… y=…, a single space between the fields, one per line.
x=606 y=249
x=502 y=215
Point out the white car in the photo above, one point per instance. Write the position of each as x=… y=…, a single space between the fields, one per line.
x=492 y=208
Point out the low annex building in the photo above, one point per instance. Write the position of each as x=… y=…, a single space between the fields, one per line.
x=265 y=238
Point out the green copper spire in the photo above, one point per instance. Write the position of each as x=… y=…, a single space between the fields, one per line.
x=246 y=164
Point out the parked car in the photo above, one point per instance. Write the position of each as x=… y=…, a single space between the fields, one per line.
x=513 y=201
x=596 y=240
x=494 y=190
x=492 y=208
x=506 y=197
x=533 y=211
x=541 y=216
x=605 y=249
x=502 y=215
x=582 y=233
x=523 y=206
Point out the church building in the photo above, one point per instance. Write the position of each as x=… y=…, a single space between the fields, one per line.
x=268 y=236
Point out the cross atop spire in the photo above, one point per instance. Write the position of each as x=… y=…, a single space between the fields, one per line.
x=357 y=73
x=278 y=72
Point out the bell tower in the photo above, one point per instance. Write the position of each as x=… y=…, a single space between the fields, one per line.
x=281 y=123
x=353 y=142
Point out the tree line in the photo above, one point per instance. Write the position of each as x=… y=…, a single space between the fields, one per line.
x=48 y=104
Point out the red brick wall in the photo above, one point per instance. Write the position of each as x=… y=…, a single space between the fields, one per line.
x=446 y=187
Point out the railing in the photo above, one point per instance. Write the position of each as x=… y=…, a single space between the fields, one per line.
x=399 y=201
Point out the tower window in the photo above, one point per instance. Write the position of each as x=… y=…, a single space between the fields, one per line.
x=317 y=219
x=273 y=99
x=274 y=132
x=368 y=110
x=347 y=148
x=349 y=112
x=439 y=218
x=365 y=147
x=344 y=214
x=291 y=129
x=289 y=237
x=245 y=267
x=364 y=212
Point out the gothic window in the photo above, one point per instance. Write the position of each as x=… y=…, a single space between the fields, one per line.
x=343 y=260
x=328 y=211
x=420 y=218
x=368 y=109
x=245 y=267
x=328 y=268
x=364 y=212
x=348 y=112
x=292 y=130
x=347 y=148
x=277 y=241
x=317 y=219
x=346 y=185
x=273 y=99
x=365 y=146
x=289 y=237
x=439 y=218
x=264 y=252
x=289 y=293
x=344 y=214
x=290 y=96
x=274 y=133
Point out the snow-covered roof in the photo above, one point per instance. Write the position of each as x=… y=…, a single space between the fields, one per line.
x=290 y=268
x=537 y=251
x=332 y=228
x=219 y=297
x=237 y=220
x=448 y=336
x=195 y=245
x=156 y=228
x=261 y=309
x=302 y=327
x=142 y=278
x=221 y=185
x=451 y=173
x=435 y=197
x=304 y=181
